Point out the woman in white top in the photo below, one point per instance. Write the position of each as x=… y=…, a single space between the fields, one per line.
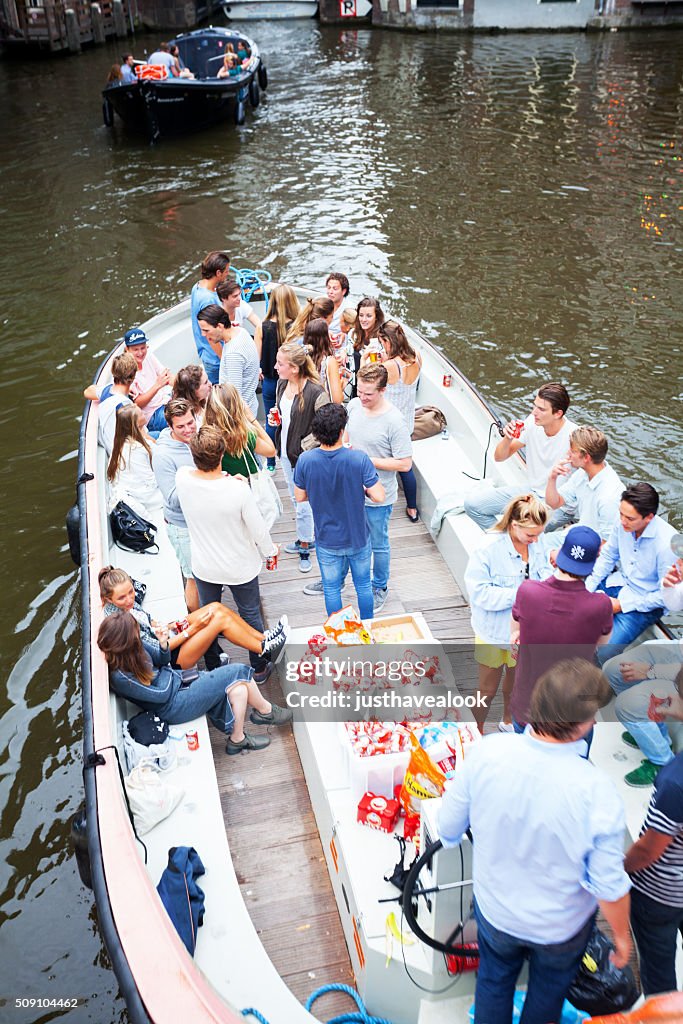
x=493 y=575
x=317 y=340
x=228 y=537
x=130 y=472
x=403 y=366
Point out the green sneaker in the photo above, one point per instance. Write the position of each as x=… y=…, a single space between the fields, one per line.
x=629 y=740
x=644 y=776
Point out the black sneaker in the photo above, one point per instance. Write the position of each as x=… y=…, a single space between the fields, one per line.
x=281 y=626
x=272 y=647
x=276 y=716
x=262 y=677
x=248 y=743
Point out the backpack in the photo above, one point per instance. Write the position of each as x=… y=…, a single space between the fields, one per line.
x=131 y=531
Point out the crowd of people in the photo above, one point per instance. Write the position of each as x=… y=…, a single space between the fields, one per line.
x=167 y=58
x=573 y=567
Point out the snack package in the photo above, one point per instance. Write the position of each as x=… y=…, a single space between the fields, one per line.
x=345 y=627
x=378 y=812
x=447 y=743
x=370 y=738
x=423 y=781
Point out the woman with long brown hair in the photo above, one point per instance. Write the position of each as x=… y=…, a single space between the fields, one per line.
x=283 y=309
x=143 y=675
x=369 y=319
x=313 y=309
x=130 y=472
x=241 y=431
x=317 y=341
x=403 y=365
x=193 y=641
x=299 y=395
x=192 y=383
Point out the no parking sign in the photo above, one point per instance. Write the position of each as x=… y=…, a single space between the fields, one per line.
x=354 y=8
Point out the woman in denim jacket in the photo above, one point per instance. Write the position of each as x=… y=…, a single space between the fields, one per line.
x=494 y=573
x=142 y=674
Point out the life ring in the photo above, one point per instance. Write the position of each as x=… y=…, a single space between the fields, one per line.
x=239 y=112
x=108 y=114
x=254 y=93
x=262 y=76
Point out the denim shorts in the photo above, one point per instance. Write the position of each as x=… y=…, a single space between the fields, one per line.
x=179 y=537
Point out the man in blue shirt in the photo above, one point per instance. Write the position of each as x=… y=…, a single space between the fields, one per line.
x=335 y=481
x=214 y=269
x=641 y=545
x=548 y=833
x=127 y=69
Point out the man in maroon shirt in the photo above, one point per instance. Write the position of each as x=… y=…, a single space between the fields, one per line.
x=558 y=618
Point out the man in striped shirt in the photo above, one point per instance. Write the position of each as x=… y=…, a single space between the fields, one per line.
x=239 y=363
x=655 y=863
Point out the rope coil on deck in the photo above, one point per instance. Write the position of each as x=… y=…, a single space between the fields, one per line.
x=358 y=1016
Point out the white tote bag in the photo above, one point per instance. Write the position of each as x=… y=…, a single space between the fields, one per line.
x=265 y=492
x=151 y=797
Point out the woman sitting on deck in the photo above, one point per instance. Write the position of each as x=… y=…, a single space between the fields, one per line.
x=493 y=575
x=229 y=67
x=204 y=626
x=192 y=384
x=130 y=472
x=317 y=340
x=241 y=431
x=143 y=674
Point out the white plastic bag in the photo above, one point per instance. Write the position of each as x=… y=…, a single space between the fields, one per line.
x=159 y=754
x=151 y=797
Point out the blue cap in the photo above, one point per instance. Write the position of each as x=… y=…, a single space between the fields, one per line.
x=135 y=336
x=579 y=551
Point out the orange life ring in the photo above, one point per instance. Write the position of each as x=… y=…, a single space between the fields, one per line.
x=155 y=72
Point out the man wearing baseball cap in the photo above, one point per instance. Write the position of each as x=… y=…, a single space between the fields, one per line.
x=153 y=384
x=558 y=618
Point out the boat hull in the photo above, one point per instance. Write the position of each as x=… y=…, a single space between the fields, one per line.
x=270 y=10
x=176 y=106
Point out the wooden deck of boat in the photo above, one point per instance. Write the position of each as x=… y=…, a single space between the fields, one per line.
x=268 y=816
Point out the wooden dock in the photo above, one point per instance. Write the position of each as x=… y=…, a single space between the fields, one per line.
x=268 y=816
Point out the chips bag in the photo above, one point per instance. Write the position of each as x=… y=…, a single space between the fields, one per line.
x=423 y=781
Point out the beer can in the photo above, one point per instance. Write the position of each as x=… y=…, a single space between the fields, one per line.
x=275 y=413
x=447 y=380
x=181 y=625
x=192 y=739
x=271 y=560
x=519 y=426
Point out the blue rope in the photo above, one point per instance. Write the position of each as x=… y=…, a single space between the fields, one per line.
x=250 y=281
x=255 y=1013
x=361 y=1016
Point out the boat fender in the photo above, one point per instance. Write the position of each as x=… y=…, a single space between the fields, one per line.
x=108 y=114
x=262 y=77
x=73 y=522
x=79 y=840
x=239 y=112
x=254 y=93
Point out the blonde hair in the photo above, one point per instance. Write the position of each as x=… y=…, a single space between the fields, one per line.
x=348 y=316
x=589 y=441
x=526 y=510
x=127 y=429
x=283 y=308
x=225 y=411
x=109 y=578
x=314 y=308
x=296 y=355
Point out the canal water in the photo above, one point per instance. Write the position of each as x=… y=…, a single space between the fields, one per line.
x=517 y=198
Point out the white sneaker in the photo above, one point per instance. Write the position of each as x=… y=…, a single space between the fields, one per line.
x=506 y=727
x=305 y=561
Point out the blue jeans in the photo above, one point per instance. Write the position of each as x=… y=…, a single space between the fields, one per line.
x=633 y=699
x=334 y=565
x=206 y=696
x=305 y=529
x=248 y=600
x=378 y=520
x=551 y=972
x=157 y=421
x=268 y=390
x=627 y=627
x=212 y=371
x=486 y=504
x=656 y=926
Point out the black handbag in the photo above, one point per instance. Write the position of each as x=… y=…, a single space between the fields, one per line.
x=131 y=531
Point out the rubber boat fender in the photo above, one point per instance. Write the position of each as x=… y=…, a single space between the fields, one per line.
x=254 y=93
x=108 y=114
x=262 y=76
x=73 y=523
x=79 y=840
x=239 y=111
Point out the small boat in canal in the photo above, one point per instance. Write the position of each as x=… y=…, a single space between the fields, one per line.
x=269 y=10
x=160 y=106
x=292 y=882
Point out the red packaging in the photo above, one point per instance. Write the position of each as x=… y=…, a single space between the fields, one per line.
x=192 y=739
x=271 y=560
x=653 y=712
x=275 y=415
x=447 y=380
x=378 y=812
x=456 y=964
x=181 y=625
x=517 y=429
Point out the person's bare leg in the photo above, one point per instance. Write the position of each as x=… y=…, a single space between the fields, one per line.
x=489 y=680
x=238 y=695
x=191 y=595
x=224 y=621
x=508 y=686
x=256 y=700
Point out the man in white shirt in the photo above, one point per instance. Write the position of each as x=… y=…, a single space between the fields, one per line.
x=672 y=586
x=111 y=396
x=239 y=311
x=545 y=435
x=337 y=288
x=583 y=480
